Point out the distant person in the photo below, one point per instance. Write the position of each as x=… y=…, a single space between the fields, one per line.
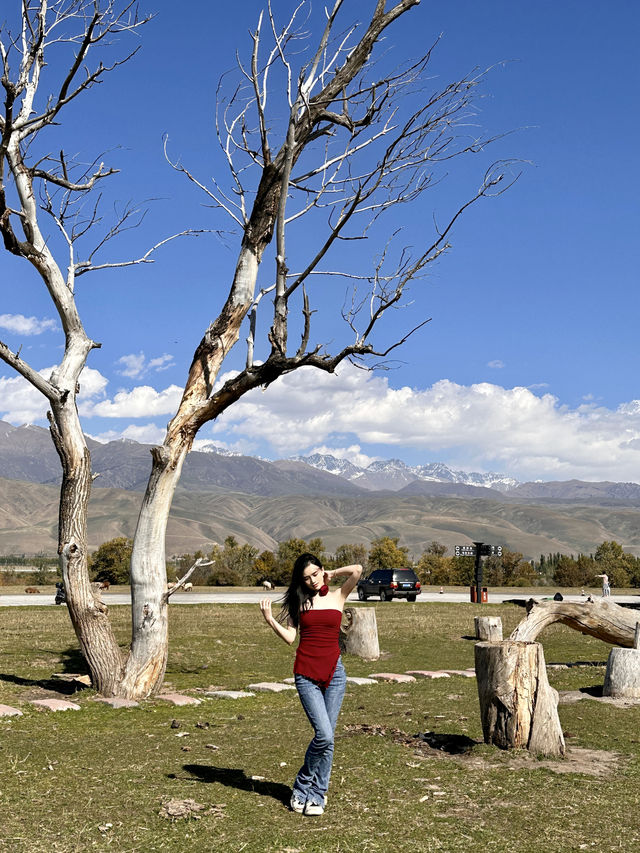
x=320 y=679
x=606 y=588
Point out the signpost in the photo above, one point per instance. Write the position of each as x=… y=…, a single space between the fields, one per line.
x=478 y=550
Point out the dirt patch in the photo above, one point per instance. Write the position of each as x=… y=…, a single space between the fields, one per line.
x=590 y=762
x=568 y=697
x=465 y=750
x=176 y=809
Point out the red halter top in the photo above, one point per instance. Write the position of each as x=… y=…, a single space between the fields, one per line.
x=318 y=650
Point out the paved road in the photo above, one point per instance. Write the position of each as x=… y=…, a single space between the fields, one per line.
x=254 y=597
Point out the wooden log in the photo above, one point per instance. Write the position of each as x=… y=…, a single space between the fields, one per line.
x=601 y=618
x=622 y=678
x=359 y=633
x=518 y=707
x=488 y=628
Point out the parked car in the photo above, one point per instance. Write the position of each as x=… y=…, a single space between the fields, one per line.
x=390 y=583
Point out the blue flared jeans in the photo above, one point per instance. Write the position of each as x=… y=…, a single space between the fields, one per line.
x=322 y=706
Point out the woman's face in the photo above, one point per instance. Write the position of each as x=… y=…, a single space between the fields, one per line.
x=313 y=577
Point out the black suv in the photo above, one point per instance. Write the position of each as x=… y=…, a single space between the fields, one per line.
x=390 y=583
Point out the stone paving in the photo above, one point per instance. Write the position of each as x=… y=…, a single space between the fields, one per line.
x=181 y=699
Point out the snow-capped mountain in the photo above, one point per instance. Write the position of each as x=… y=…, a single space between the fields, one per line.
x=394 y=474
x=220 y=451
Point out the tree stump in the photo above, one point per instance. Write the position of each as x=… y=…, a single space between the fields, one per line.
x=359 y=633
x=519 y=708
x=622 y=678
x=488 y=628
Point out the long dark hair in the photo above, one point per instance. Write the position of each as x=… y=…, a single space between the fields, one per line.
x=298 y=595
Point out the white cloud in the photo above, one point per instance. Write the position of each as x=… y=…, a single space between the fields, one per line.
x=143 y=401
x=135 y=365
x=21 y=325
x=496 y=363
x=484 y=426
x=163 y=362
x=477 y=427
x=21 y=403
x=132 y=365
x=144 y=433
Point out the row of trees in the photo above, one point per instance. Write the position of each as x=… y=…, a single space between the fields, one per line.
x=234 y=564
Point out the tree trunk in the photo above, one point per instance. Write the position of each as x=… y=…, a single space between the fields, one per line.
x=519 y=708
x=622 y=678
x=88 y=613
x=601 y=618
x=488 y=628
x=147 y=661
x=359 y=633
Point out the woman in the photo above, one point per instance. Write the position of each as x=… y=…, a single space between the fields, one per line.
x=320 y=678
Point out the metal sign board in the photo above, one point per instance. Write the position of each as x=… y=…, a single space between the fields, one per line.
x=485 y=550
x=465 y=550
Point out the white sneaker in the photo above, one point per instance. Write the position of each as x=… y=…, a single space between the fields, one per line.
x=296 y=804
x=313 y=809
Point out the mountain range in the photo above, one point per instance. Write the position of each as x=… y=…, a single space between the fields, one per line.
x=262 y=502
x=395 y=475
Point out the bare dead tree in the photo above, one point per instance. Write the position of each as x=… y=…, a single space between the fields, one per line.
x=347 y=151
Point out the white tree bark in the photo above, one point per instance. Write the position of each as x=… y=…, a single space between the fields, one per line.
x=622 y=678
x=600 y=618
x=359 y=633
x=488 y=628
x=519 y=708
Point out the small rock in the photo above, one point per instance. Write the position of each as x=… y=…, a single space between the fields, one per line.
x=179 y=699
x=115 y=702
x=175 y=724
x=55 y=704
x=270 y=687
x=228 y=694
x=428 y=673
x=396 y=677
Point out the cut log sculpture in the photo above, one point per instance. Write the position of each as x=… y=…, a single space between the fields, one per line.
x=359 y=633
x=600 y=618
x=519 y=708
x=488 y=628
x=622 y=678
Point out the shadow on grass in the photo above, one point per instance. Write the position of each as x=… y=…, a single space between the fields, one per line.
x=70 y=662
x=237 y=778
x=55 y=685
x=595 y=690
x=451 y=744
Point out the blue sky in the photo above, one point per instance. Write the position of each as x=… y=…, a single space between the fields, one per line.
x=530 y=362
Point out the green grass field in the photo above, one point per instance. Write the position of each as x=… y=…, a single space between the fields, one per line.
x=97 y=779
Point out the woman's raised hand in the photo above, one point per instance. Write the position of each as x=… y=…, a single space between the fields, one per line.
x=329 y=575
x=265 y=607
